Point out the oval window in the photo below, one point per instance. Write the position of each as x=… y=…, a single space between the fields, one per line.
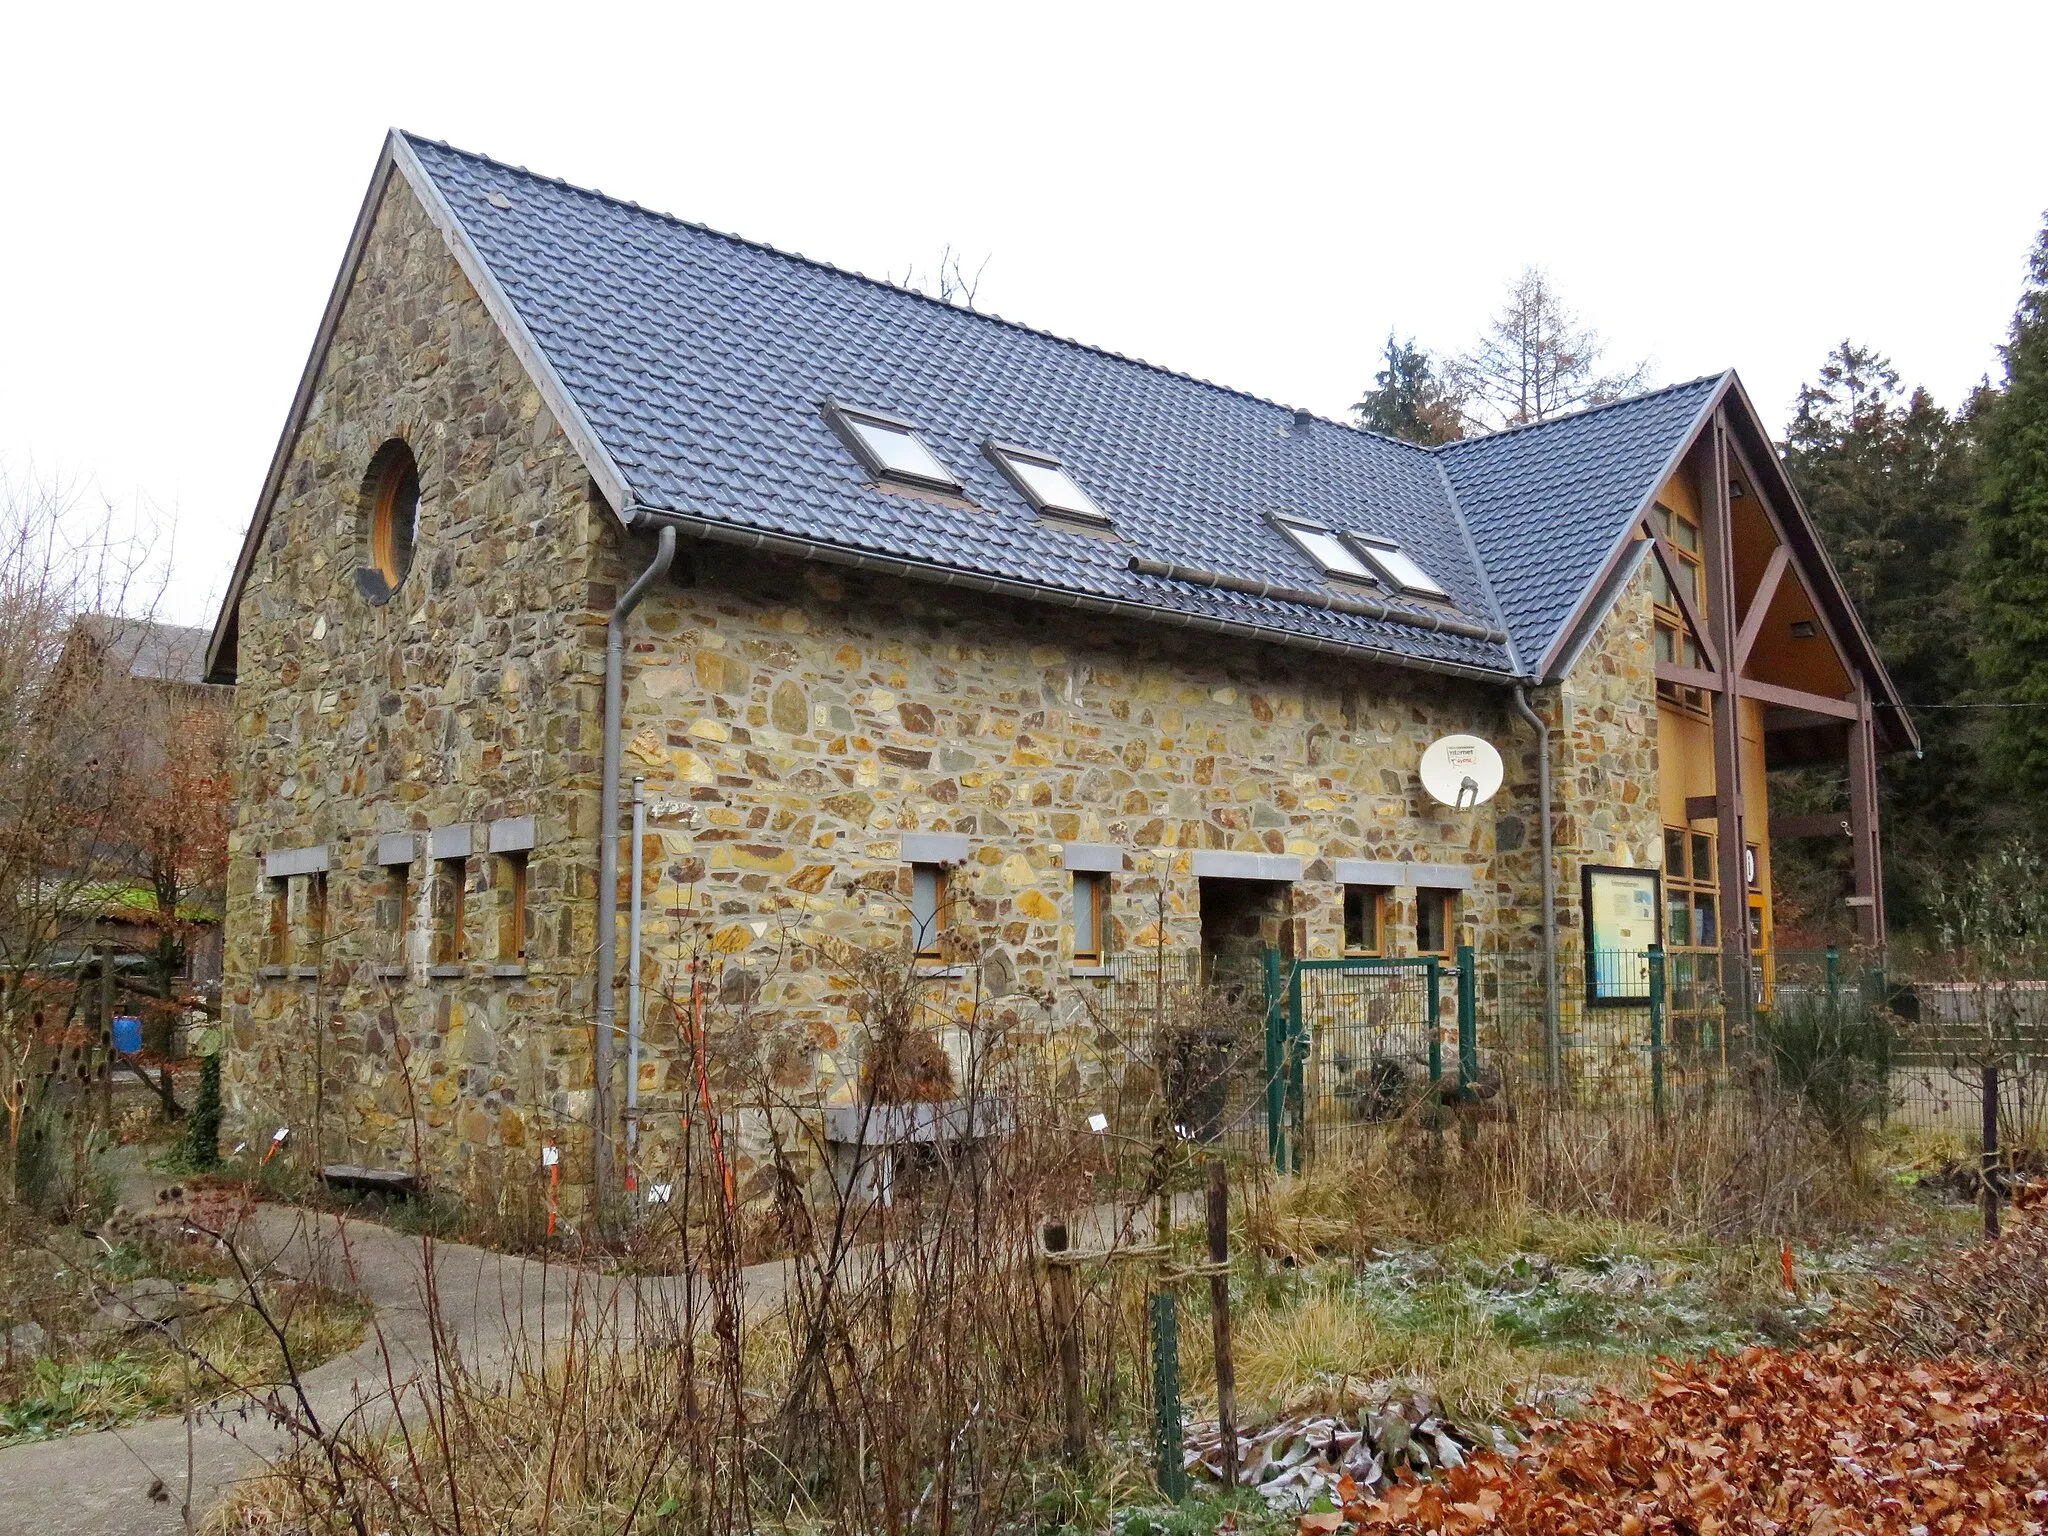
x=391 y=496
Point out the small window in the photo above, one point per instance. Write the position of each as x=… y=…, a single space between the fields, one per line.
x=511 y=883
x=893 y=448
x=1091 y=916
x=1399 y=570
x=394 y=906
x=391 y=497
x=927 y=908
x=277 y=937
x=1328 y=550
x=1046 y=484
x=451 y=876
x=1364 y=906
x=1706 y=933
x=1435 y=913
x=316 y=915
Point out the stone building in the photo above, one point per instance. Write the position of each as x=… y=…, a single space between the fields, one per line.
x=915 y=616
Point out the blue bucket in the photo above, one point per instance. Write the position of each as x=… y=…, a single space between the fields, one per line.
x=127 y=1034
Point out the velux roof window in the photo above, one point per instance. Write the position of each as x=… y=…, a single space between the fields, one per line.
x=1327 y=549
x=891 y=448
x=1360 y=557
x=1398 y=569
x=1046 y=484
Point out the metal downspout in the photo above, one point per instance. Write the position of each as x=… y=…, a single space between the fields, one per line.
x=604 y=1176
x=633 y=985
x=1553 y=1055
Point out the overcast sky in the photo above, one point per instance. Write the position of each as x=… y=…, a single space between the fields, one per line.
x=1250 y=193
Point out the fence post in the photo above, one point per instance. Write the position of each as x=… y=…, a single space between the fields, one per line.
x=1297 y=1069
x=1468 y=1020
x=1657 y=1032
x=1066 y=1322
x=1173 y=1477
x=1276 y=1089
x=1436 y=1023
x=1219 y=1315
x=1834 y=975
x=1989 y=1165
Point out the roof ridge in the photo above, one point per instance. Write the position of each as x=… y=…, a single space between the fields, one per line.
x=882 y=283
x=1580 y=415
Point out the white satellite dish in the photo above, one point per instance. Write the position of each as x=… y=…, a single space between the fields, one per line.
x=1461 y=771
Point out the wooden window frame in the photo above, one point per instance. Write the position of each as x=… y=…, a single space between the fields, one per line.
x=512 y=879
x=1684 y=881
x=928 y=934
x=391 y=492
x=1425 y=896
x=315 y=916
x=451 y=899
x=398 y=902
x=277 y=934
x=1373 y=898
x=1090 y=922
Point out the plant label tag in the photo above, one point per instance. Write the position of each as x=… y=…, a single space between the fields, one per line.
x=280 y=1134
x=1098 y=1123
x=549 y=1156
x=657 y=1194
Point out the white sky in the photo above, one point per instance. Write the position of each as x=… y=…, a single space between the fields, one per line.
x=1250 y=193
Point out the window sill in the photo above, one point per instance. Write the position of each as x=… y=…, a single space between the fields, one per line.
x=508 y=971
x=1082 y=969
x=928 y=972
x=444 y=972
x=305 y=973
x=273 y=972
x=389 y=972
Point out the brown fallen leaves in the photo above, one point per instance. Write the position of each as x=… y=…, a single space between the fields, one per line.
x=1820 y=1443
x=1989 y=1303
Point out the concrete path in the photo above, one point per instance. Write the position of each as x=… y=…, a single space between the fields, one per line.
x=100 y=1484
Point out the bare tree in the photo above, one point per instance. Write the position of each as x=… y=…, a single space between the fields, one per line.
x=65 y=709
x=1535 y=361
x=949 y=282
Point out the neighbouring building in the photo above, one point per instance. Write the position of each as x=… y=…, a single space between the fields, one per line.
x=919 y=611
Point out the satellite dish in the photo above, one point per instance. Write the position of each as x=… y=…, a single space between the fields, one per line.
x=1461 y=771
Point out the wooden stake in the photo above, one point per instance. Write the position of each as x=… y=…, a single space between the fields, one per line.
x=1989 y=1165
x=1066 y=1322
x=1219 y=1316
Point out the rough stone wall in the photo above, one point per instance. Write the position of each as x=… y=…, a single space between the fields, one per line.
x=472 y=694
x=793 y=723
x=1604 y=767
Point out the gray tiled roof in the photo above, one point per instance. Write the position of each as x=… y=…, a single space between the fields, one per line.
x=700 y=361
x=1546 y=504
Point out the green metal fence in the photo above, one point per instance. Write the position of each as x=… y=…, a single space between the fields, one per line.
x=1318 y=1052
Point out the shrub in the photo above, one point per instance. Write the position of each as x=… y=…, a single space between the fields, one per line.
x=1834 y=1051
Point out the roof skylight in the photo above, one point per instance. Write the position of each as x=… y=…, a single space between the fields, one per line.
x=1328 y=550
x=1398 y=569
x=893 y=448
x=1045 y=481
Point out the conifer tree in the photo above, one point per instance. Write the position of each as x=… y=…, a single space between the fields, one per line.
x=2012 y=550
x=1409 y=398
x=1889 y=477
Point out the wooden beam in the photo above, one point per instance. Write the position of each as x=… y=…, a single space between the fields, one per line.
x=1690 y=677
x=1676 y=578
x=1832 y=824
x=1702 y=807
x=1718 y=538
x=1868 y=859
x=1795 y=698
x=1759 y=605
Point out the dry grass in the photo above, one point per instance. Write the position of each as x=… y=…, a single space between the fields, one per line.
x=225 y=1349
